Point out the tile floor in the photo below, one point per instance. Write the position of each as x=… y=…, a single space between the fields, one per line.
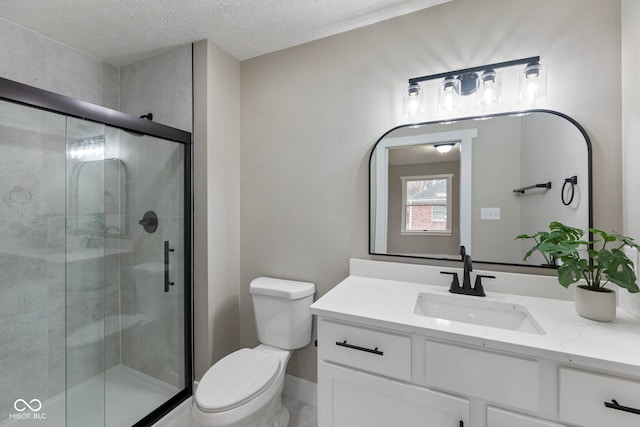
x=302 y=414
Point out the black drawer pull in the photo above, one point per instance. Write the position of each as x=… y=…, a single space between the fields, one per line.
x=615 y=405
x=356 y=347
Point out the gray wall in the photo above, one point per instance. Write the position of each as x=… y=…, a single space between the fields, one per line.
x=631 y=131
x=496 y=168
x=216 y=204
x=325 y=103
x=553 y=149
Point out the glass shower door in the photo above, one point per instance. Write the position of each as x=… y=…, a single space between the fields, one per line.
x=88 y=298
x=95 y=297
x=32 y=276
x=125 y=274
x=144 y=226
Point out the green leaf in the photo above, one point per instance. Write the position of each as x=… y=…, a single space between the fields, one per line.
x=560 y=250
x=619 y=269
x=628 y=241
x=530 y=252
x=528 y=236
x=571 y=271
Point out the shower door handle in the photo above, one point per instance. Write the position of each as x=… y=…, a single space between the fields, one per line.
x=167 y=283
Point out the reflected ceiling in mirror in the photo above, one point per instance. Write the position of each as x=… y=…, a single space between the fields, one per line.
x=489 y=187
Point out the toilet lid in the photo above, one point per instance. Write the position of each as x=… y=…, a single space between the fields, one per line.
x=236 y=379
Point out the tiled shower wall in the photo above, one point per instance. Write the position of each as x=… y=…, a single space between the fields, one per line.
x=156 y=347
x=30 y=58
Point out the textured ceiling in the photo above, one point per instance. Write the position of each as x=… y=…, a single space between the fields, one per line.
x=124 y=31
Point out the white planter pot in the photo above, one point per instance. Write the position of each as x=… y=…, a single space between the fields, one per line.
x=600 y=306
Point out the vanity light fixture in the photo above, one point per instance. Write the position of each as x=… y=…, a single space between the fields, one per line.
x=449 y=94
x=489 y=93
x=533 y=82
x=444 y=148
x=483 y=81
x=414 y=100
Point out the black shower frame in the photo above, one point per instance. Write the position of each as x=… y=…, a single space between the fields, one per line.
x=30 y=96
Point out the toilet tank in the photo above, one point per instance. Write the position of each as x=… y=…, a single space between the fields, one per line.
x=281 y=309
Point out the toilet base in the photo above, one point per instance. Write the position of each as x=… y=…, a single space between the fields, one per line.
x=275 y=415
x=266 y=410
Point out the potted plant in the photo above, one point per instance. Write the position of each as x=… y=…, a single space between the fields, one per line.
x=598 y=262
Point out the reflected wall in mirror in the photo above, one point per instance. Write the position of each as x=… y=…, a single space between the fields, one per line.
x=434 y=187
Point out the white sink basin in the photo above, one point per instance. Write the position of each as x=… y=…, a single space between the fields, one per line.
x=477 y=311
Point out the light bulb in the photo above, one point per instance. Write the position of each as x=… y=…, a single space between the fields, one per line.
x=489 y=93
x=449 y=94
x=413 y=101
x=533 y=83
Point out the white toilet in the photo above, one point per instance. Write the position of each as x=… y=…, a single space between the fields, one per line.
x=243 y=389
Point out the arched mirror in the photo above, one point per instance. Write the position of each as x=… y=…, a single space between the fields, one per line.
x=478 y=182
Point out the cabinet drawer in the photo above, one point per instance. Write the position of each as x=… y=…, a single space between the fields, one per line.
x=511 y=381
x=348 y=398
x=366 y=349
x=500 y=418
x=583 y=396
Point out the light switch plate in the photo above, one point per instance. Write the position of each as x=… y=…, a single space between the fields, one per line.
x=491 y=214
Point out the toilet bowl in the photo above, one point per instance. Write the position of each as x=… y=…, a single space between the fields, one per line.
x=244 y=388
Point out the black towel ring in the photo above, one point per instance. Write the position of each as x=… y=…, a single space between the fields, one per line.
x=573 y=181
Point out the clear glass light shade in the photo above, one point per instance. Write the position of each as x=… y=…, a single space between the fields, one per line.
x=413 y=104
x=533 y=83
x=489 y=90
x=448 y=95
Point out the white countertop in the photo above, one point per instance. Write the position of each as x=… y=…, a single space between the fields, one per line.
x=568 y=337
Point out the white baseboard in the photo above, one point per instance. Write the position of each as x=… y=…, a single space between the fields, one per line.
x=300 y=389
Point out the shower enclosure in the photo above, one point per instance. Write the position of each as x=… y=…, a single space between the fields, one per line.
x=95 y=264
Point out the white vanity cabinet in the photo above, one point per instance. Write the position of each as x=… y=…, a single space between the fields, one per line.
x=383 y=364
x=373 y=377
x=364 y=380
x=379 y=378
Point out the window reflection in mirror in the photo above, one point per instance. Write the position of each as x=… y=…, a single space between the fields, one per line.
x=413 y=213
x=426 y=201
